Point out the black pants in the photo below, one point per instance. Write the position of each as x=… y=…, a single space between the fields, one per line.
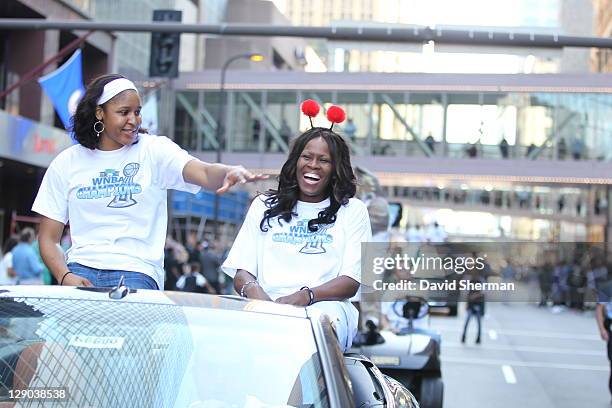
x=610 y=359
x=476 y=311
x=607 y=326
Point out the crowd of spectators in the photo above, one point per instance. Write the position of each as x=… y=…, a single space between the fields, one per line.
x=191 y=267
x=571 y=282
x=195 y=266
x=559 y=203
x=20 y=260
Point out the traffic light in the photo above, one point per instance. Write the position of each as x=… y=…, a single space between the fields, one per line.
x=165 y=47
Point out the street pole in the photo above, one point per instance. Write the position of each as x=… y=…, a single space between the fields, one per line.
x=220 y=131
x=402 y=35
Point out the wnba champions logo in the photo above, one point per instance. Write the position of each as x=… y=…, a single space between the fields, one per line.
x=314 y=244
x=124 y=197
x=110 y=184
x=311 y=241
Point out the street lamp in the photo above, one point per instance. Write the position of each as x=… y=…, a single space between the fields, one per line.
x=220 y=132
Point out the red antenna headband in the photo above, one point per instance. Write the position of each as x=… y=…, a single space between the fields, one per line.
x=335 y=114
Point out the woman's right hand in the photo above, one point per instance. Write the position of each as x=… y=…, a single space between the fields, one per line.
x=72 y=279
x=238 y=174
x=257 y=292
x=252 y=290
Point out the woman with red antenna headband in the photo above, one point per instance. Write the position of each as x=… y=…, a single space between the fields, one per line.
x=300 y=244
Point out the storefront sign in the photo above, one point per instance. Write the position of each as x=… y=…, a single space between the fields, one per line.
x=29 y=141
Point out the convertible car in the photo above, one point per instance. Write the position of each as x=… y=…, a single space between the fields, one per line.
x=85 y=347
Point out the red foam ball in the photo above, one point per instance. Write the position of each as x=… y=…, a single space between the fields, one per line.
x=336 y=114
x=310 y=108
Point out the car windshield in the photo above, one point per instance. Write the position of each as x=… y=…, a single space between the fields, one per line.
x=155 y=355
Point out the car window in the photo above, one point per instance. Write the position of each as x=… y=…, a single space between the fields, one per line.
x=153 y=355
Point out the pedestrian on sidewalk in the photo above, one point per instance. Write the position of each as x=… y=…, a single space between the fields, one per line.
x=603 y=315
x=7 y=273
x=475 y=306
x=25 y=261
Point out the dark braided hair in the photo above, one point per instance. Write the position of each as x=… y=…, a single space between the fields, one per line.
x=341 y=188
x=84 y=117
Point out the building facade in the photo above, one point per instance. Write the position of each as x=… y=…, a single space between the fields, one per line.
x=279 y=53
x=568 y=17
x=34 y=133
x=519 y=156
x=602 y=58
x=451 y=127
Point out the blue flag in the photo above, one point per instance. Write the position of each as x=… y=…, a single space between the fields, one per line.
x=64 y=87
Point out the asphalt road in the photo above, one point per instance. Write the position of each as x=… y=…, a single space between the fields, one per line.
x=529 y=357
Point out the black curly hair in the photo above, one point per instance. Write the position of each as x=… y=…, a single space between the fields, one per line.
x=342 y=185
x=82 y=122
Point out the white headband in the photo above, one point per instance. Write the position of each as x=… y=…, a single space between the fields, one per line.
x=115 y=87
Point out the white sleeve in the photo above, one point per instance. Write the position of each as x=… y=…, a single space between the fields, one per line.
x=180 y=284
x=9 y=260
x=52 y=198
x=169 y=160
x=357 y=229
x=200 y=280
x=243 y=254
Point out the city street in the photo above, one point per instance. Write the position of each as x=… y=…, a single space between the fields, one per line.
x=157 y=155
x=530 y=357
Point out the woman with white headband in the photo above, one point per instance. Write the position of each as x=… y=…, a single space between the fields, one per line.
x=111 y=187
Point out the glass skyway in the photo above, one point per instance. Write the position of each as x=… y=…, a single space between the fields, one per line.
x=547 y=116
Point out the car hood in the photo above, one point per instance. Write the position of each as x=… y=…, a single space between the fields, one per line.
x=153 y=296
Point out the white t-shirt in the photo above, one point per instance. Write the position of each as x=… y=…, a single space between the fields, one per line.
x=288 y=256
x=5 y=263
x=116 y=202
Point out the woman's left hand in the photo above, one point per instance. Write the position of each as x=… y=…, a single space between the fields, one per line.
x=238 y=174
x=299 y=298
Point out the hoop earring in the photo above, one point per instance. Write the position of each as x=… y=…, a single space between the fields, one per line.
x=95 y=128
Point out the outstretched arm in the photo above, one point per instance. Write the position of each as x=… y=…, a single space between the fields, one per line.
x=217 y=176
